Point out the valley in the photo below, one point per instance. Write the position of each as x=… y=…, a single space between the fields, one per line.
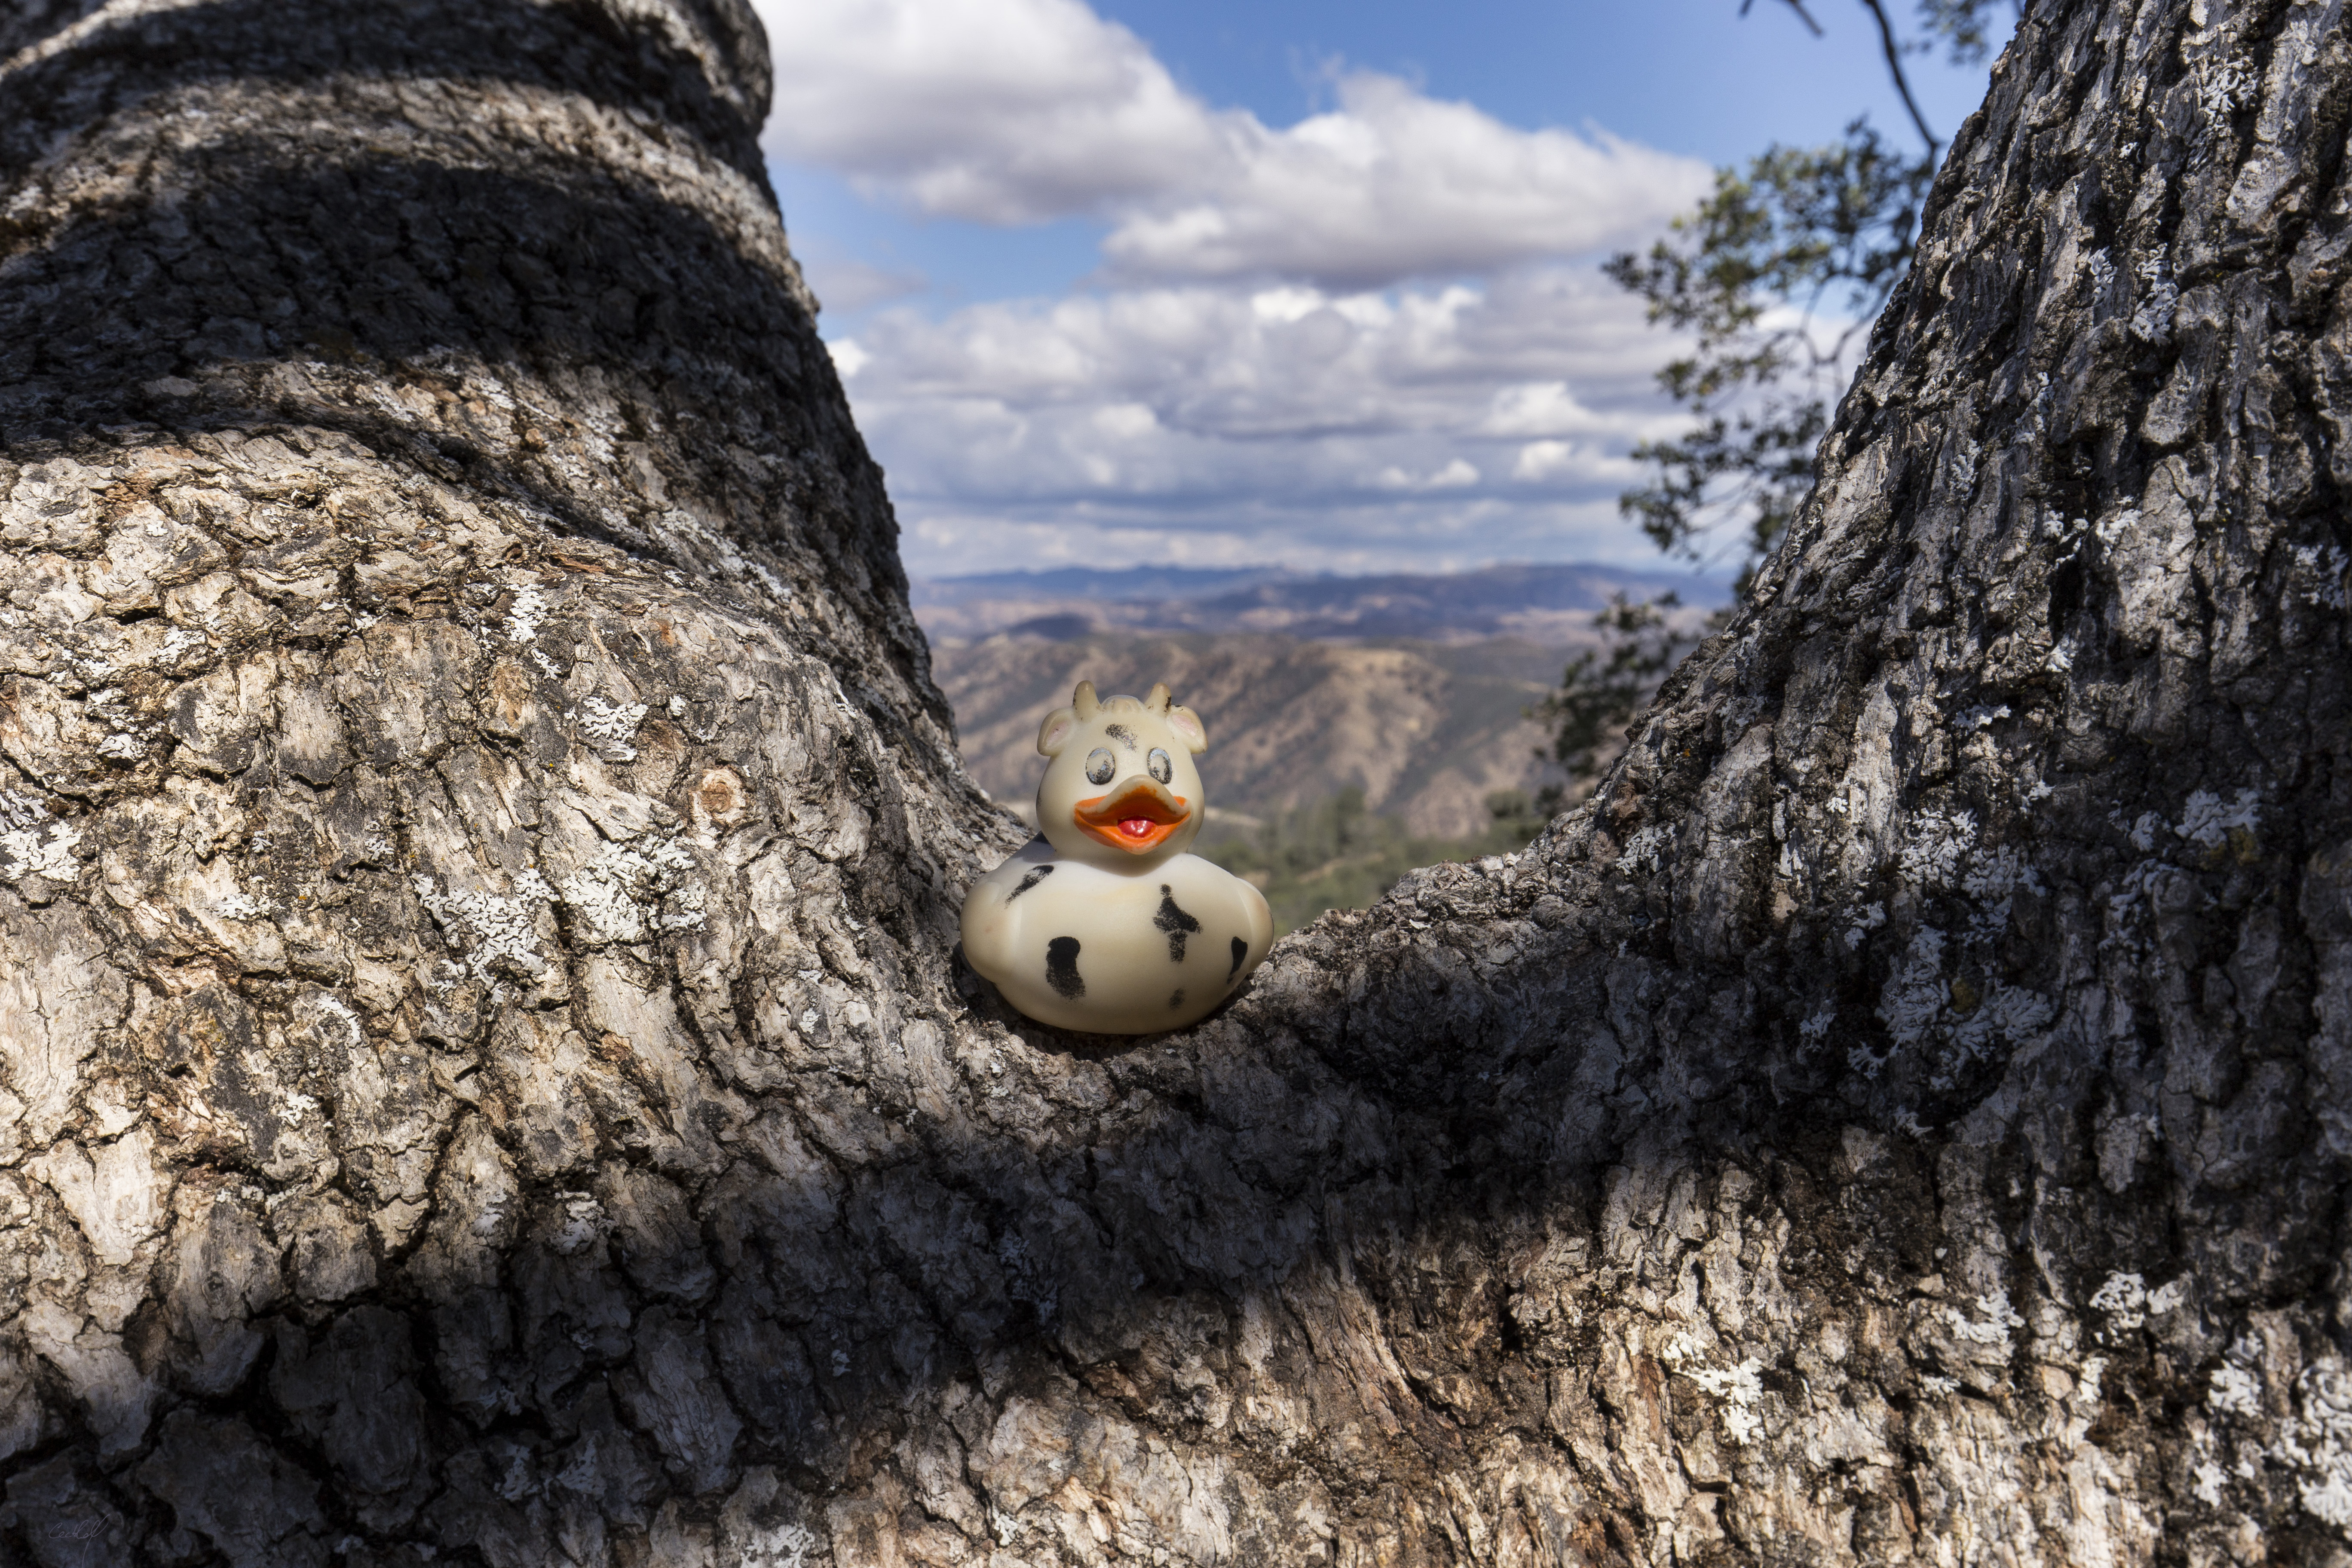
x=1358 y=726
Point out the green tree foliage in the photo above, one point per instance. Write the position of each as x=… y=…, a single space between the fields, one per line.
x=1775 y=277
x=1748 y=275
x=1338 y=854
x=1602 y=691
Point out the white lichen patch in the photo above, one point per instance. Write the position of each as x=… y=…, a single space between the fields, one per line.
x=523 y=616
x=2122 y=1299
x=583 y=1222
x=1642 y=851
x=2001 y=873
x=183 y=641
x=2132 y=898
x=612 y=725
x=2234 y=1390
x=630 y=890
x=1992 y=1324
x=236 y=904
x=2322 y=566
x=1993 y=878
x=32 y=842
x=1741 y=1390
x=1872 y=917
x=2099 y=268
x=2224 y=85
x=1915 y=995
x=1934 y=849
x=2318 y=1441
x=2006 y=1015
x=496 y=929
x=2207 y=821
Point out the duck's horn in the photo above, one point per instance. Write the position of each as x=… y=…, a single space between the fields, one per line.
x=1085 y=700
x=1160 y=698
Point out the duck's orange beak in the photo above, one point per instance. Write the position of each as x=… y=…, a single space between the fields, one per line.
x=1136 y=816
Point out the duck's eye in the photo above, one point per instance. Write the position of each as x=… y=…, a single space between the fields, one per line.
x=1161 y=768
x=1100 y=765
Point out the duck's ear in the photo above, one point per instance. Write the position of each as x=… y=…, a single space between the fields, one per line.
x=1055 y=731
x=1187 y=727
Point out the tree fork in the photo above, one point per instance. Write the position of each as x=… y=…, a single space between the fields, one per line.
x=487 y=1073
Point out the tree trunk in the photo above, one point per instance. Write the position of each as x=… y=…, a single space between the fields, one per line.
x=490 y=1078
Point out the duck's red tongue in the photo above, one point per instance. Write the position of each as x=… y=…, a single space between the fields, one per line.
x=1135 y=817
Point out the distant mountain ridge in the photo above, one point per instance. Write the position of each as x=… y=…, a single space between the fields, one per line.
x=1426 y=730
x=1551 y=604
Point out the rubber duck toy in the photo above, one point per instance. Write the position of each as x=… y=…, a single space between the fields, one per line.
x=1102 y=923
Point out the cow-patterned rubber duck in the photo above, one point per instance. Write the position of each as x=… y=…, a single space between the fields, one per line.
x=1103 y=923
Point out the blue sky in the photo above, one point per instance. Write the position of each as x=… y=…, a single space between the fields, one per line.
x=1293 y=282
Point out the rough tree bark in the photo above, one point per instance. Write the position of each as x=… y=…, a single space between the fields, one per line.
x=488 y=1074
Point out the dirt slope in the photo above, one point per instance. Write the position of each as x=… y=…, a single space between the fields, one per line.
x=1427 y=731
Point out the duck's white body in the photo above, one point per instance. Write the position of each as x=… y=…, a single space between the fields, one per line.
x=1102 y=923
x=1109 y=953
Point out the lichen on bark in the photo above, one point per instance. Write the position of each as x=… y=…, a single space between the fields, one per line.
x=487 y=1075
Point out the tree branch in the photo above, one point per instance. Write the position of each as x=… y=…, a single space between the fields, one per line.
x=1901 y=83
x=1799 y=8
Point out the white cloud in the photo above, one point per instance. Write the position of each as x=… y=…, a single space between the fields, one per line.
x=1209 y=424
x=1008 y=111
x=848 y=358
x=1395 y=184
x=1358 y=342
x=1455 y=475
x=995 y=111
x=1540 y=460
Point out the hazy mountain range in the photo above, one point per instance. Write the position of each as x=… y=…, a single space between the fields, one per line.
x=1551 y=606
x=1413 y=688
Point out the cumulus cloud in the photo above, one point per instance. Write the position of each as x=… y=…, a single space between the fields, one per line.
x=1395 y=184
x=995 y=111
x=1372 y=340
x=1205 y=423
x=1008 y=111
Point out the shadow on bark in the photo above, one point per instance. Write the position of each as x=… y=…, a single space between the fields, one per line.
x=499 y=305
x=415 y=273
x=820 y=1310
x=569 y=47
